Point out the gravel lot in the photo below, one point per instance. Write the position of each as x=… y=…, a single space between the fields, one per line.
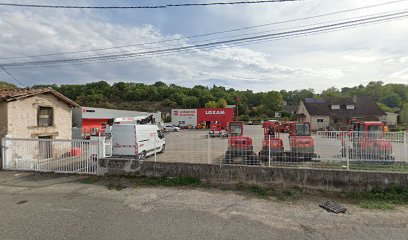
x=39 y=206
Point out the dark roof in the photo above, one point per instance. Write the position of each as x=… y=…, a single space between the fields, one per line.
x=364 y=106
x=7 y=95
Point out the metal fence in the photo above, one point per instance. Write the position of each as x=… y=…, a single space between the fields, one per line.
x=51 y=155
x=331 y=150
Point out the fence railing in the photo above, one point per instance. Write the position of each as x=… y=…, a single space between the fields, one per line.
x=332 y=150
x=51 y=155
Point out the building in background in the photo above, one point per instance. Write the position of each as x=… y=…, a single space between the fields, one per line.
x=336 y=113
x=390 y=119
x=201 y=116
x=35 y=113
x=89 y=119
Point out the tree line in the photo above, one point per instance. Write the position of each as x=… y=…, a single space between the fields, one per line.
x=158 y=96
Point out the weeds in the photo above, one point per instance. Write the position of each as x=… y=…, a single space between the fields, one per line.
x=381 y=198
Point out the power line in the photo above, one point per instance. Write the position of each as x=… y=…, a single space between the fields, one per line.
x=8 y=73
x=209 y=34
x=334 y=26
x=144 y=7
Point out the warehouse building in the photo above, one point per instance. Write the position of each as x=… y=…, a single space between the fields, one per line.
x=201 y=116
x=87 y=120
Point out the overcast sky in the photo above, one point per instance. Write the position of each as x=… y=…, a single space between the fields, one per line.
x=342 y=58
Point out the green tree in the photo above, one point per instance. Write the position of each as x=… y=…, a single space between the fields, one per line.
x=190 y=102
x=6 y=85
x=271 y=102
x=222 y=103
x=404 y=114
x=211 y=104
x=391 y=100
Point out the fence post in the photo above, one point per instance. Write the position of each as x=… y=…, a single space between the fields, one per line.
x=406 y=145
x=3 y=153
x=209 y=149
x=347 y=148
x=269 y=149
x=155 y=147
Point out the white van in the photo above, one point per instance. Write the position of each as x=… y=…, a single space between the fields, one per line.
x=133 y=140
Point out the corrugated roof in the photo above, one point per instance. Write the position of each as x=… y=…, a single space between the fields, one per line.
x=364 y=106
x=7 y=95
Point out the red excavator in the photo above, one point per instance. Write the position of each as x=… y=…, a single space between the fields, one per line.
x=301 y=142
x=369 y=142
x=272 y=144
x=240 y=148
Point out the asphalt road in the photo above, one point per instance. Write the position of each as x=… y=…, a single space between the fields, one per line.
x=37 y=206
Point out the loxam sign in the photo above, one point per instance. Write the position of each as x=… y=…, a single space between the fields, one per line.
x=214 y=112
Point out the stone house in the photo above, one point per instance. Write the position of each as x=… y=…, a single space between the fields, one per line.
x=35 y=113
x=336 y=113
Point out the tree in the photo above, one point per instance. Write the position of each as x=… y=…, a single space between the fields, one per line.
x=404 y=114
x=211 y=104
x=331 y=92
x=392 y=100
x=190 y=102
x=271 y=102
x=222 y=103
x=6 y=85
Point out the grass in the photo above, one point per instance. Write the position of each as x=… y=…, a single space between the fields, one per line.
x=383 y=199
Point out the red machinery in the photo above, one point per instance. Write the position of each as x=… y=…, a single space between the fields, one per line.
x=239 y=146
x=272 y=144
x=369 y=142
x=284 y=126
x=301 y=141
x=216 y=130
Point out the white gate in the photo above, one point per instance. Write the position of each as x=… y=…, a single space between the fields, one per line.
x=51 y=155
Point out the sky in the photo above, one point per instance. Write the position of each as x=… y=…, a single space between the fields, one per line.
x=346 y=58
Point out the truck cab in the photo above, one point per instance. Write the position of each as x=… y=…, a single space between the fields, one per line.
x=301 y=140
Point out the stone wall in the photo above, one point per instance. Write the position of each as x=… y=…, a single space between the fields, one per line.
x=331 y=180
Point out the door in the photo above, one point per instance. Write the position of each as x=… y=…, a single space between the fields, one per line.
x=45 y=147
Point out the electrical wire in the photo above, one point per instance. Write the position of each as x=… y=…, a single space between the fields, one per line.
x=144 y=7
x=11 y=75
x=208 y=34
x=334 y=26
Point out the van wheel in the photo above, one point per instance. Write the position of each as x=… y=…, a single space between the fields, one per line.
x=143 y=156
x=163 y=148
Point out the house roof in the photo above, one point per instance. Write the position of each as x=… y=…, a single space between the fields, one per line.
x=363 y=106
x=7 y=95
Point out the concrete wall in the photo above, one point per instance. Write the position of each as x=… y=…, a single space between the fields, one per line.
x=22 y=118
x=331 y=180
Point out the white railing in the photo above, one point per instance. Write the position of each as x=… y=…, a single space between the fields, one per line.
x=51 y=155
x=331 y=150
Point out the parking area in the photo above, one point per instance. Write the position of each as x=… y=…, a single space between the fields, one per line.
x=195 y=146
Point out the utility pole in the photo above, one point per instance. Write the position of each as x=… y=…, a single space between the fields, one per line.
x=237 y=113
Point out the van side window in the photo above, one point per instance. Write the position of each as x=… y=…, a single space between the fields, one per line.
x=160 y=134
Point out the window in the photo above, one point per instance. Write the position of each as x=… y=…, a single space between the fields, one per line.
x=45 y=117
x=320 y=120
x=302 y=129
x=335 y=106
x=350 y=107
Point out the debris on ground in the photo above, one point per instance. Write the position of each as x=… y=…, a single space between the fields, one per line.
x=333 y=207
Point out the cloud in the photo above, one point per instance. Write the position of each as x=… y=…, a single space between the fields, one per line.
x=338 y=59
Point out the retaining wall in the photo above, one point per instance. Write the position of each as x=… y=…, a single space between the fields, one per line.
x=331 y=180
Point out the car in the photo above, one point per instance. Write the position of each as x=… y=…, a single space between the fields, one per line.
x=171 y=128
